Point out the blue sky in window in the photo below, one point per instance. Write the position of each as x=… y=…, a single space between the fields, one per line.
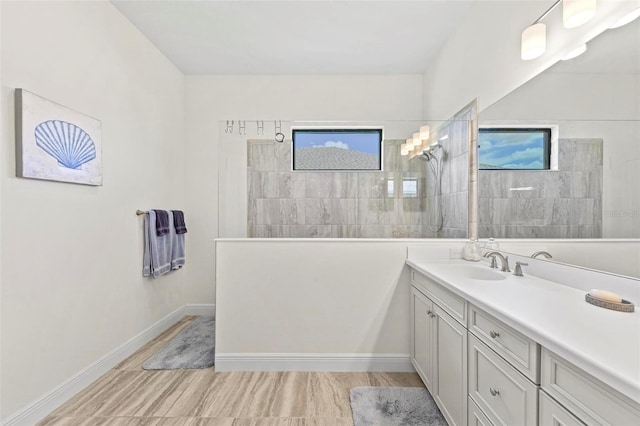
x=512 y=150
x=363 y=142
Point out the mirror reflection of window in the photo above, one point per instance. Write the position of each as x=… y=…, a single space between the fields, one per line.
x=514 y=149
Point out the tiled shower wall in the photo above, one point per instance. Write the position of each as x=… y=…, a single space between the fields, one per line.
x=303 y=204
x=563 y=203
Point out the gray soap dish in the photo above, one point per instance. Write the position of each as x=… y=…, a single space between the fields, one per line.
x=624 y=306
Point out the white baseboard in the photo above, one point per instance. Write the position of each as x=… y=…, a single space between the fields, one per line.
x=207 y=309
x=313 y=362
x=43 y=406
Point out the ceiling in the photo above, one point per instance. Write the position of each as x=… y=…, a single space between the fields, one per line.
x=297 y=37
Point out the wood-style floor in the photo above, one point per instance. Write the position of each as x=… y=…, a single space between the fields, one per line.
x=131 y=396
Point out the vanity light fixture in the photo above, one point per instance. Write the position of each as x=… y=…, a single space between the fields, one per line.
x=575 y=52
x=574 y=13
x=406 y=147
x=416 y=139
x=577 y=12
x=424 y=132
x=629 y=17
x=534 y=41
x=534 y=38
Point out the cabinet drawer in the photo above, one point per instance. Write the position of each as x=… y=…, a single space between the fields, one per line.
x=453 y=304
x=502 y=393
x=592 y=401
x=554 y=414
x=475 y=415
x=520 y=351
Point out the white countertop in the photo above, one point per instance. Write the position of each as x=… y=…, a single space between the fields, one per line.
x=602 y=342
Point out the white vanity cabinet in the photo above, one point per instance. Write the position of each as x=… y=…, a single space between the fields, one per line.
x=482 y=370
x=439 y=347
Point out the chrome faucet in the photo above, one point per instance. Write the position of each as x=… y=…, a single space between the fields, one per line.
x=518 y=272
x=541 y=253
x=504 y=260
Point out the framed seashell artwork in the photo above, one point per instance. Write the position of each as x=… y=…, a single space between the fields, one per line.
x=54 y=142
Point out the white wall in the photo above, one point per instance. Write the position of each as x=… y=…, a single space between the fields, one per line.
x=210 y=99
x=72 y=254
x=314 y=296
x=482 y=59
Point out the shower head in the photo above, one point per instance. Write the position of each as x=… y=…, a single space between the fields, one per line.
x=426 y=155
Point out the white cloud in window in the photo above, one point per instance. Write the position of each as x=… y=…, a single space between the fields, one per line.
x=333 y=144
x=516 y=157
x=532 y=165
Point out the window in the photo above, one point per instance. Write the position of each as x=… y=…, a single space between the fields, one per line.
x=337 y=149
x=410 y=187
x=514 y=149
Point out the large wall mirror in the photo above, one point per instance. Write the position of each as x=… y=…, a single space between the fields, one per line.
x=591 y=104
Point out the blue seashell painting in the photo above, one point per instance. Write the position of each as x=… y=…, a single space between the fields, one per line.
x=54 y=142
x=65 y=142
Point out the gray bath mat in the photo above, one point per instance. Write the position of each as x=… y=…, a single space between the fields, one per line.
x=391 y=406
x=192 y=348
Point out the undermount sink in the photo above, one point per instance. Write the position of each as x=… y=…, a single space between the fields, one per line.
x=477 y=272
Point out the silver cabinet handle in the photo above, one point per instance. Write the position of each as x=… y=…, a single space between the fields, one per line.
x=431 y=314
x=494 y=334
x=494 y=392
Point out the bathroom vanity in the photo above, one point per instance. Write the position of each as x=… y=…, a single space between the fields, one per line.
x=496 y=349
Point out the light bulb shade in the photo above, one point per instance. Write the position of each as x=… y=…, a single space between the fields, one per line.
x=424 y=132
x=534 y=41
x=577 y=12
x=404 y=148
x=575 y=52
x=416 y=139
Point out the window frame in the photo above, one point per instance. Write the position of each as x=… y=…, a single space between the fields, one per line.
x=359 y=129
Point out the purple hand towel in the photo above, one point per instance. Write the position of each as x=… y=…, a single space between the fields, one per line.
x=162 y=222
x=178 y=222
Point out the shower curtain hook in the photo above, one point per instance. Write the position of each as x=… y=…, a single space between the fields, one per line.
x=229 y=128
x=242 y=127
x=260 y=127
x=279 y=136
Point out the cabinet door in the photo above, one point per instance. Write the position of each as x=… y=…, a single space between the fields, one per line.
x=554 y=414
x=421 y=336
x=450 y=367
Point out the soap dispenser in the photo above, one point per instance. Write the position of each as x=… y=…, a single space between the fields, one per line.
x=471 y=250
